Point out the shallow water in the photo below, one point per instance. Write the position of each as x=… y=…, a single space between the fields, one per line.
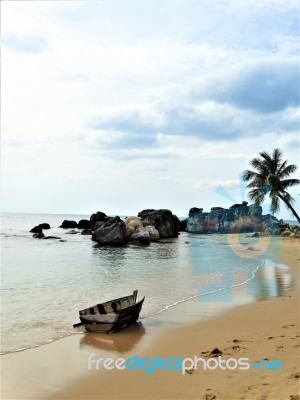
x=45 y=282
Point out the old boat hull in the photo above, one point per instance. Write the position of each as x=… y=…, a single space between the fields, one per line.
x=112 y=315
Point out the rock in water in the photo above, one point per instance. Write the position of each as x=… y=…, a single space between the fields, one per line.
x=154 y=234
x=133 y=223
x=239 y=218
x=163 y=220
x=84 y=224
x=111 y=234
x=98 y=216
x=36 y=229
x=39 y=228
x=68 y=224
x=44 y=226
x=141 y=236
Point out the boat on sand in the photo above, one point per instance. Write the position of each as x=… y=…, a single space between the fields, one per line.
x=112 y=315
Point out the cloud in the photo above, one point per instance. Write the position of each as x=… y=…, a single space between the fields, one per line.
x=265 y=86
x=126 y=141
x=234 y=102
x=26 y=44
x=207 y=120
x=129 y=86
x=290 y=141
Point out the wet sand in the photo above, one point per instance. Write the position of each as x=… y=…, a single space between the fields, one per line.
x=262 y=330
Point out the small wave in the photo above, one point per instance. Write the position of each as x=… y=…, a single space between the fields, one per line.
x=253 y=273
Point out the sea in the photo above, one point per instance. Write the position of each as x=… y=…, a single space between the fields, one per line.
x=44 y=283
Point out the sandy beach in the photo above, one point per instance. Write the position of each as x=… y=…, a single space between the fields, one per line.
x=264 y=330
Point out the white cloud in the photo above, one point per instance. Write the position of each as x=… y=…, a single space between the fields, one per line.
x=164 y=82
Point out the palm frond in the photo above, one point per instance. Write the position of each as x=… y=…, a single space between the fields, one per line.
x=286 y=183
x=287 y=170
x=270 y=175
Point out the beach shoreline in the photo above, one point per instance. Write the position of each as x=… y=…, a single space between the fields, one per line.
x=59 y=370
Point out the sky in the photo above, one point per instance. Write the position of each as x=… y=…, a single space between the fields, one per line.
x=122 y=105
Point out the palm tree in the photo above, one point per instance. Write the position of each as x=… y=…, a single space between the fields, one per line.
x=271 y=177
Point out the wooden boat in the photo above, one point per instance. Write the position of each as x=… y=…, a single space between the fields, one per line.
x=111 y=315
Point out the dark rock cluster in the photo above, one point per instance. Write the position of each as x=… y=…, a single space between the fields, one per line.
x=164 y=221
x=239 y=218
x=151 y=225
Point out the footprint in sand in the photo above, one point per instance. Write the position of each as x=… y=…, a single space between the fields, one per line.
x=209 y=396
x=279 y=348
x=190 y=371
x=294 y=397
x=228 y=350
x=295 y=375
x=214 y=353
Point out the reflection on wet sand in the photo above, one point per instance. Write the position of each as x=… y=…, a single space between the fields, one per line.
x=118 y=342
x=273 y=281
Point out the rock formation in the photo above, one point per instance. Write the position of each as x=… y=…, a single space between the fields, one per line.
x=111 y=233
x=44 y=226
x=238 y=218
x=98 y=216
x=68 y=224
x=195 y=209
x=84 y=224
x=163 y=220
x=141 y=237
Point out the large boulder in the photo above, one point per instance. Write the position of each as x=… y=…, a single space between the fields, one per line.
x=141 y=237
x=44 y=226
x=163 y=220
x=98 y=216
x=84 y=224
x=133 y=223
x=68 y=224
x=295 y=229
x=36 y=229
x=154 y=234
x=112 y=233
x=98 y=224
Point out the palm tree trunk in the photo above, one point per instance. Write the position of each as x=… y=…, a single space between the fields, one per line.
x=289 y=206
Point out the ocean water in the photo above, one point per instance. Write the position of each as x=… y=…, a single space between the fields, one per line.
x=45 y=282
